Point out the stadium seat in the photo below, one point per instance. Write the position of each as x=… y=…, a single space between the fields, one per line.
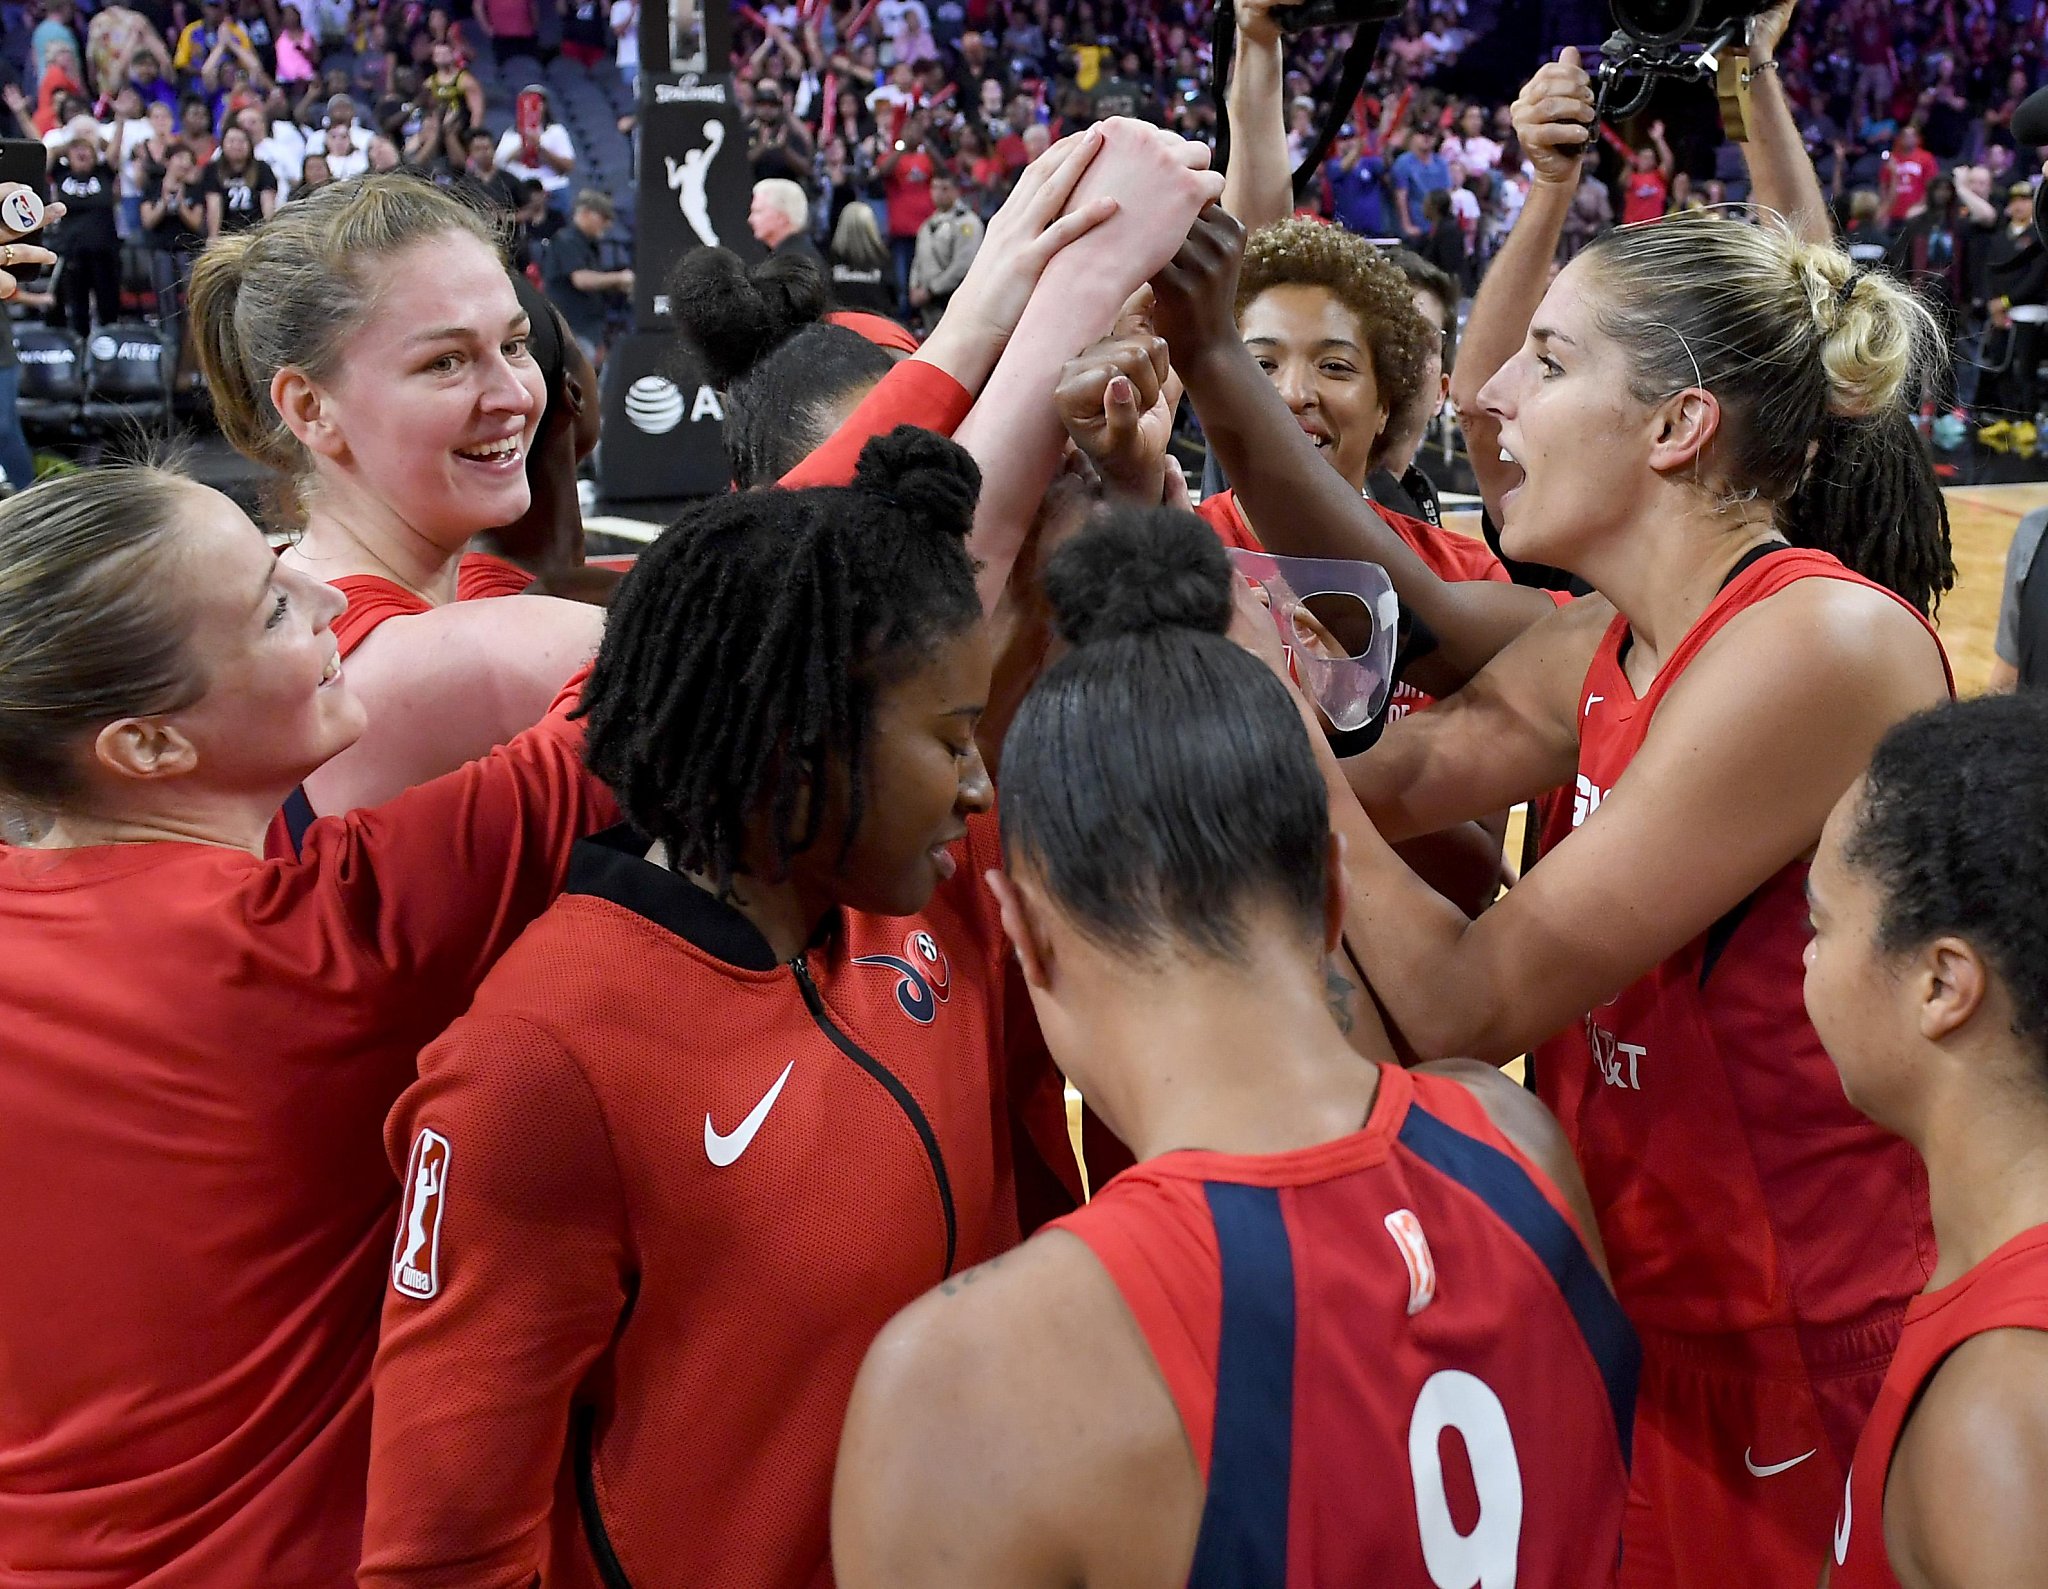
x=52 y=376
x=127 y=375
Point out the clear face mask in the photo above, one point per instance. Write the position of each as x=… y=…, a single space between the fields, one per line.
x=1311 y=600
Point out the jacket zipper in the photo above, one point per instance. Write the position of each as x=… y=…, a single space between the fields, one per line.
x=584 y=1435
x=893 y=1085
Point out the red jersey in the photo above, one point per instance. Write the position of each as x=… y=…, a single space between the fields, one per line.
x=1645 y=197
x=663 y=1192
x=2007 y=1291
x=1451 y=556
x=1322 y=1320
x=1702 y=1086
x=1911 y=173
x=201 y=1050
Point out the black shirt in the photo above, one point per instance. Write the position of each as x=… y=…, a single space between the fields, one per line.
x=569 y=252
x=171 y=233
x=88 y=224
x=873 y=290
x=241 y=193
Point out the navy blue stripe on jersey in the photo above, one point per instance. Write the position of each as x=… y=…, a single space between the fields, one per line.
x=1505 y=1187
x=1243 y=1542
x=298 y=817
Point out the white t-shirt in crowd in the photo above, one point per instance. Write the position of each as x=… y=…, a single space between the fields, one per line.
x=284 y=151
x=134 y=134
x=626 y=29
x=1474 y=154
x=554 y=139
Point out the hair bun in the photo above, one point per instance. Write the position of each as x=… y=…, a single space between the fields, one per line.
x=1875 y=336
x=924 y=474
x=733 y=317
x=1139 y=572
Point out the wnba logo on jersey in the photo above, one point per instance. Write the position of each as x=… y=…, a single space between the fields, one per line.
x=923 y=978
x=1586 y=800
x=416 y=1256
x=1406 y=1230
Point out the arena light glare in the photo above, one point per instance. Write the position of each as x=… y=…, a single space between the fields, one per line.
x=1348 y=688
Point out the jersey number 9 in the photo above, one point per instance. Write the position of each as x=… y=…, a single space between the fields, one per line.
x=1484 y=1558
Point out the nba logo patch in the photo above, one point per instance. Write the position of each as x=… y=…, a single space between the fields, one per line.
x=416 y=1255
x=1406 y=1230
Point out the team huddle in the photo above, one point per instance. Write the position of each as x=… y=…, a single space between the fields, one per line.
x=520 y=1075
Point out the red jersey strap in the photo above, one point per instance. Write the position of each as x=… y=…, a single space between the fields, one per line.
x=481 y=576
x=913 y=393
x=2008 y=1290
x=371 y=599
x=1763 y=578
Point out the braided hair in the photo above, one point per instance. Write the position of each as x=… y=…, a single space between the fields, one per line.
x=1872 y=499
x=745 y=651
x=758 y=334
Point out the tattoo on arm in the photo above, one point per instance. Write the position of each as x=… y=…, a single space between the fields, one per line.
x=953 y=1285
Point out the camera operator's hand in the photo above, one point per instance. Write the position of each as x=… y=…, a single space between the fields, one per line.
x=1112 y=399
x=1195 y=296
x=1255 y=24
x=1767 y=31
x=1554 y=119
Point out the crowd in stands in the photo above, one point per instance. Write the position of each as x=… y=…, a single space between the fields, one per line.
x=883 y=135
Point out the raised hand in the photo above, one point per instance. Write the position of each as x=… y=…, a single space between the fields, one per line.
x=1554 y=119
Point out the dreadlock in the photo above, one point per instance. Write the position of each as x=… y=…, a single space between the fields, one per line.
x=1871 y=498
x=758 y=333
x=743 y=654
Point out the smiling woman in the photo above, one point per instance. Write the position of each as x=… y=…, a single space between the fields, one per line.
x=368 y=344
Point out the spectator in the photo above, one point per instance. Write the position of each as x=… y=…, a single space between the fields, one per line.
x=117 y=39
x=575 y=276
x=86 y=240
x=861 y=267
x=315 y=175
x=511 y=28
x=205 y=36
x=780 y=218
x=1647 y=192
x=384 y=153
x=240 y=190
x=625 y=22
x=2016 y=275
x=1470 y=147
x=542 y=152
x=53 y=30
x=1908 y=169
x=298 y=51
x=1443 y=244
x=195 y=127
x=499 y=189
x=1357 y=185
x=1592 y=213
x=60 y=77
x=146 y=76
x=587 y=37
x=1418 y=173
x=1868 y=239
x=2020 y=649
x=345 y=159
x=946 y=246
x=455 y=92
x=16 y=460
x=906 y=170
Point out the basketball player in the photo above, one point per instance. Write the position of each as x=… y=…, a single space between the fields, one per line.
x=1652 y=958
x=1343 y=1323
x=1927 y=978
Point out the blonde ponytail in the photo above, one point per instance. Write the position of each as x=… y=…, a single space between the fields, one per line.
x=1874 y=335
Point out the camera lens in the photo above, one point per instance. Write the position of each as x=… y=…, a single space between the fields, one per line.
x=1657 y=21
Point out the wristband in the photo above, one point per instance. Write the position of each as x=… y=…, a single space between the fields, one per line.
x=1751 y=73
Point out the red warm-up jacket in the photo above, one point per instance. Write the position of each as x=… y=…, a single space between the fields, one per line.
x=661 y=1193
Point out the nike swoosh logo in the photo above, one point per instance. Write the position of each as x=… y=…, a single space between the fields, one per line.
x=1776 y=1467
x=723 y=1150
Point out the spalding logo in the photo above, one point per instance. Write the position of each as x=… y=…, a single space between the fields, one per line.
x=654 y=405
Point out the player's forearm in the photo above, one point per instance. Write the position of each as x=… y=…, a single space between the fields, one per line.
x=1258 y=187
x=1781 y=176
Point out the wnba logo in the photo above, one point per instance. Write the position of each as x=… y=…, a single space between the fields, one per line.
x=416 y=1256
x=654 y=405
